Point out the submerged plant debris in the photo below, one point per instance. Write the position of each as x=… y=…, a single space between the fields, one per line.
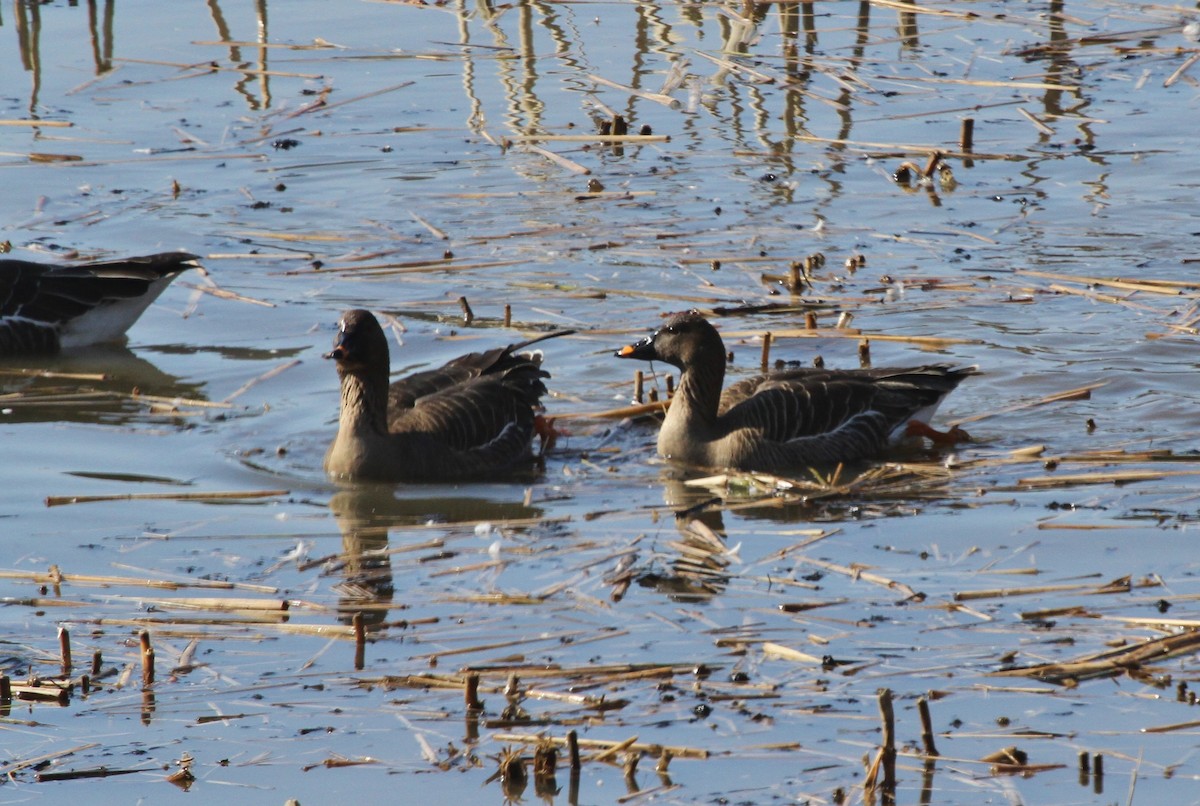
x=192 y=610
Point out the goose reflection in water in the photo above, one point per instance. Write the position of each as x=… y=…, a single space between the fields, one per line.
x=366 y=514
x=104 y=384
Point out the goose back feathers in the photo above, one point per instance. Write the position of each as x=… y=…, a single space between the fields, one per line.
x=784 y=419
x=474 y=417
x=45 y=308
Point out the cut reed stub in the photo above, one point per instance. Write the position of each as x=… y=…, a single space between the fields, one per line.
x=360 y=641
x=471 y=693
x=64 y=646
x=147 y=658
x=966 y=135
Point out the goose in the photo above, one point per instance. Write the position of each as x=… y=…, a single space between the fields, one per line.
x=475 y=417
x=788 y=419
x=46 y=308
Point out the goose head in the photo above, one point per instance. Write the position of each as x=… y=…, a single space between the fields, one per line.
x=684 y=341
x=360 y=344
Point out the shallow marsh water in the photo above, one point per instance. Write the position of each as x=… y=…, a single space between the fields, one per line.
x=383 y=141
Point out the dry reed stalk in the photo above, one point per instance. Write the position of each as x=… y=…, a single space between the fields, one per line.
x=906 y=7
x=62 y=500
x=271 y=373
x=734 y=67
x=488 y=598
x=1037 y=124
x=57 y=577
x=1182 y=69
x=38 y=124
x=1172 y=727
x=855 y=572
x=1078 y=393
x=591 y=138
x=897 y=148
x=1157 y=622
x=216 y=291
x=1174 y=288
x=780 y=652
x=619 y=413
x=45 y=692
x=328 y=237
x=608 y=748
x=215 y=603
x=1123 y=477
x=205 y=68
x=658 y=98
x=1122 y=585
x=417 y=267
x=321 y=104
x=282 y=256
x=45 y=373
x=437 y=233
x=1110 y=663
x=1109 y=298
x=498 y=645
x=559 y=160
x=177 y=401
x=38 y=761
x=607 y=753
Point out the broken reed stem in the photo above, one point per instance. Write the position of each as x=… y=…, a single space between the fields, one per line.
x=468 y=314
x=926 y=727
x=888 y=717
x=61 y=500
x=360 y=641
x=507 y=315
x=766 y=351
x=471 y=693
x=147 y=658
x=639 y=382
x=966 y=137
x=572 y=748
x=97 y=663
x=64 y=645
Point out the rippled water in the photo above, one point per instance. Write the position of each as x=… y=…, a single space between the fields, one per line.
x=322 y=156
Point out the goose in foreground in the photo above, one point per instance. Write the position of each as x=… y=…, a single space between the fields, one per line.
x=46 y=308
x=791 y=418
x=474 y=417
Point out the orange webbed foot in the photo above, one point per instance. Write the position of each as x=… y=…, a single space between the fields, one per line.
x=954 y=436
x=547 y=433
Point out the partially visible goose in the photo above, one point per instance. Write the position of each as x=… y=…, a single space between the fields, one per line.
x=785 y=419
x=46 y=308
x=475 y=417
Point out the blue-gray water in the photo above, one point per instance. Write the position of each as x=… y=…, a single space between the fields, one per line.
x=784 y=132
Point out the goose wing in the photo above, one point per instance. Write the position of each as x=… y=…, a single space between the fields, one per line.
x=501 y=361
x=58 y=293
x=811 y=402
x=473 y=412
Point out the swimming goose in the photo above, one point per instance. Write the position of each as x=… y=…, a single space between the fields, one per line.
x=785 y=419
x=46 y=308
x=474 y=417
